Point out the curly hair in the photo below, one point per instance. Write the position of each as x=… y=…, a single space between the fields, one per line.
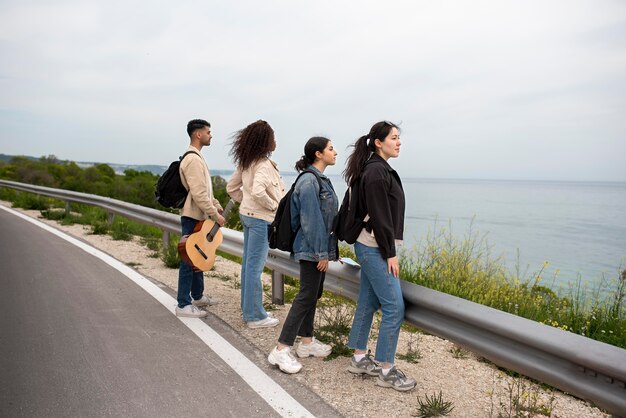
x=252 y=143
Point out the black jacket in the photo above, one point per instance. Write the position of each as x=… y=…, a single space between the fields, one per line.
x=383 y=199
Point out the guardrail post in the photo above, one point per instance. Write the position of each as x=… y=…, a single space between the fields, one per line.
x=166 y=241
x=110 y=217
x=68 y=208
x=278 y=288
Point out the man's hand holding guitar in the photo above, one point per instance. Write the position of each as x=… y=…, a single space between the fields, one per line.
x=198 y=249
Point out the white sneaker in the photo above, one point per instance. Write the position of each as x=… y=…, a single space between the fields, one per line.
x=284 y=360
x=204 y=301
x=315 y=349
x=268 y=322
x=190 y=311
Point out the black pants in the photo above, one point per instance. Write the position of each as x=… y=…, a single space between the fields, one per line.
x=302 y=313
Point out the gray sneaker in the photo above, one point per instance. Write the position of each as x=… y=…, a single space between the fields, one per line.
x=366 y=365
x=396 y=379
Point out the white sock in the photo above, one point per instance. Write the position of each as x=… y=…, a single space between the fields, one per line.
x=385 y=371
x=359 y=357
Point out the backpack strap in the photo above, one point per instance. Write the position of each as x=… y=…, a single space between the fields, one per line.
x=319 y=179
x=180 y=159
x=293 y=186
x=185 y=154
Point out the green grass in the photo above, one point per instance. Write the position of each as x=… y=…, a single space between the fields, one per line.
x=413 y=353
x=333 y=319
x=433 y=406
x=30 y=201
x=171 y=258
x=466 y=268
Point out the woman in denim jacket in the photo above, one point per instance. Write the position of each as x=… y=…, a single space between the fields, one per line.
x=313 y=211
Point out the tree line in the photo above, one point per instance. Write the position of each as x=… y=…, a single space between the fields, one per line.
x=100 y=179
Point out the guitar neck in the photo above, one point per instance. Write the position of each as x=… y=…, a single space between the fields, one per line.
x=228 y=207
x=216 y=226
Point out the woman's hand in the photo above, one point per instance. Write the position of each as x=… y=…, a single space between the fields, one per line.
x=322 y=265
x=393 y=266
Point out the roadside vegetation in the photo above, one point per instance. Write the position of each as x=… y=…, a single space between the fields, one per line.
x=466 y=268
x=463 y=268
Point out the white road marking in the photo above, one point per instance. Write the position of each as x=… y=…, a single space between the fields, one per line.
x=260 y=382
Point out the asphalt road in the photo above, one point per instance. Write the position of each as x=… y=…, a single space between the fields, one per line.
x=78 y=338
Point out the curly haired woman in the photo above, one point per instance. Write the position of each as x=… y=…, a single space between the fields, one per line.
x=258 y=186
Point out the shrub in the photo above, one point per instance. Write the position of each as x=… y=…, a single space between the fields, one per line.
x=433 y=406
x=170 y=257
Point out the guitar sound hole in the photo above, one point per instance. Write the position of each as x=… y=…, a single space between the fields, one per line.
x=201 y=252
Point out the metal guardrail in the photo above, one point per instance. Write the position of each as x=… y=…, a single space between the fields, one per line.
x=575 y=364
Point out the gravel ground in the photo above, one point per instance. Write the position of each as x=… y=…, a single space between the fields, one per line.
x=475 y=388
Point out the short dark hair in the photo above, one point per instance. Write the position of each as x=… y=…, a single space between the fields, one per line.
x=194 y=124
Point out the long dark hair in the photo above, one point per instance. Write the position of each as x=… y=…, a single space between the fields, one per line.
x=317 y=143
x=251 y=144
x=363 y=147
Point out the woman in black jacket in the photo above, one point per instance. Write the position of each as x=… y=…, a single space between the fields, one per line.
x=382 y=199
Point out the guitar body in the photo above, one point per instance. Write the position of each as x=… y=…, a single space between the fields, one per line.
x=198 y=248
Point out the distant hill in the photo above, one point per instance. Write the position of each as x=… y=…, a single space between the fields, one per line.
x=6 y=158
x=118 y=168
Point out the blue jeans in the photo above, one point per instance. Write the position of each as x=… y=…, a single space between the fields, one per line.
x=189 y=281
x=379 y=289
x=255 y=249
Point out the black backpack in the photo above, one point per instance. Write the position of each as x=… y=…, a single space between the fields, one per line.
x=169 y=190
x=348 y=224
x=279 y=232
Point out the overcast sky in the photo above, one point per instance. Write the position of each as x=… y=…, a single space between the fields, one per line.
x=482 y=89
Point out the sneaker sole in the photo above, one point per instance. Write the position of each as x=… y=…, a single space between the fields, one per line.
x=280 y=368
x=191 y=316
x=313 y=355
x=384 y=384
x=203 y=305
x=262 y=326
x=356 y=370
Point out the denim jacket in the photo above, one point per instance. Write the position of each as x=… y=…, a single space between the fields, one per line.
x=313 y=213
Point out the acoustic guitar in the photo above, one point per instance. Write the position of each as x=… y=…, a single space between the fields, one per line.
x=198 y=248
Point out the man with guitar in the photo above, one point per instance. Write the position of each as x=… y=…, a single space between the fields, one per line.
x=199 y=206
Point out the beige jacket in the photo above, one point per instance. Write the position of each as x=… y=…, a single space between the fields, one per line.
x=194 y=173
x=258 y=189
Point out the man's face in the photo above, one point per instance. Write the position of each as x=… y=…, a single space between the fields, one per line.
x=205 y=136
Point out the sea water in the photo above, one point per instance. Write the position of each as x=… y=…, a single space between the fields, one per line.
x=578 y=228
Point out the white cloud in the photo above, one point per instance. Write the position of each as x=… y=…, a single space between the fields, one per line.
x=476 y=84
